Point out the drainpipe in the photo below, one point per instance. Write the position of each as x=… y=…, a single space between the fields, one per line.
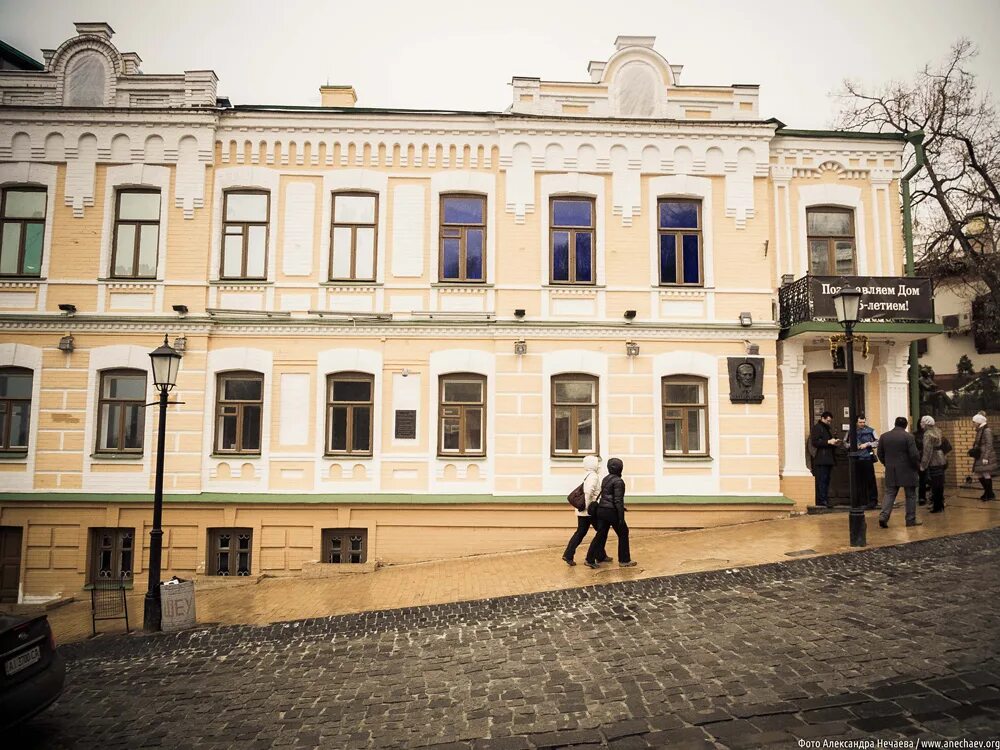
x=915 y=139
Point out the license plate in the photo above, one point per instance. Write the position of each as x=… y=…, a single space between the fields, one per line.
x=15 y=665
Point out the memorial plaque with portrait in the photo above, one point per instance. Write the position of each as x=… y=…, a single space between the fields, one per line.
x=746 y=380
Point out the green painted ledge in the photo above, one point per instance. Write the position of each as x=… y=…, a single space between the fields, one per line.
x=820 y=326
x=375 y=499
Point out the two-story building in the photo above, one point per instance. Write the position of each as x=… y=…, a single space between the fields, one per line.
x=402 y=330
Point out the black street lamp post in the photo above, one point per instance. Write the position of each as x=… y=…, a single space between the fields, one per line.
x=847 y=302
x=166 y=362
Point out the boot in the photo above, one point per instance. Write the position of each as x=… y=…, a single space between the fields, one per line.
x=986 y=483
x=989 y=489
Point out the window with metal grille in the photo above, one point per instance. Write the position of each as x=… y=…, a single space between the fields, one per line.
x=15 y=408
x=238 y=412
x=112 y=552
x=349 y=414
x=246 y=216
x=229 y=552
x=463 y=238
x=121 y=411
x=345 y=545
x=685 y=416
x=679 y=224
x=571 y=240
x=574 y=415
x=462 y=415
x=137 y=234
x=830 y=236
x=22 y=230
x=353 y=238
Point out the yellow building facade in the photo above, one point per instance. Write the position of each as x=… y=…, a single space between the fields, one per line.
x=403 y=330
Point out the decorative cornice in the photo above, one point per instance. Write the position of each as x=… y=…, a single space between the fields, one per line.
x=284 y=327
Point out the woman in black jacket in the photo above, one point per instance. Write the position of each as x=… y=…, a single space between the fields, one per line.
x=611 y=514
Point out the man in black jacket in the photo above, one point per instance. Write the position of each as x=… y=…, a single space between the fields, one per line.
x=611 y=514
x=823 y=442
x=897 y=450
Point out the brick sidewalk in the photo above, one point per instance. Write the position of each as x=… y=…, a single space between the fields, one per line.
x=487 y=576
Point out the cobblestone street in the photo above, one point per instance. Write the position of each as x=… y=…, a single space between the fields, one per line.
x=892 y=642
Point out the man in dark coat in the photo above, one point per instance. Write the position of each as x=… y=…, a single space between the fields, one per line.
x=611 y=515
x=897 y=450
x=822 y=441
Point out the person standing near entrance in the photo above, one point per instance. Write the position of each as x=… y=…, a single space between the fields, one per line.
x=898 y=451
x=823 y=442
x=933 y=461
x=864 y=464
x=984 y=456
x=611 y=515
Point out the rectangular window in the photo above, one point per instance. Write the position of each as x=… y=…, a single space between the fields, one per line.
x=349 y=414
x=345 y=545
x=830 y=236
x=463 y=238
x=229 y=552
x=112 y=552
x=22 y=231
x=244 y=234
x=571 y=241
x=680 y=242
x=15 y=408
x=121 y=411
x=462 y=415
x=239 y=408
x=137 y=234
x=685 y=416
x=353 y=237
x=574 y=415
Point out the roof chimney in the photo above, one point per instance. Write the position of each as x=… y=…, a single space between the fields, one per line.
x=337 y=96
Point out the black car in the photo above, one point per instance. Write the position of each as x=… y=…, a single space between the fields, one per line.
x=33 y=672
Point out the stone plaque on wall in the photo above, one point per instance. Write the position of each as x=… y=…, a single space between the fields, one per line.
x=746 y=380
x=406 y=424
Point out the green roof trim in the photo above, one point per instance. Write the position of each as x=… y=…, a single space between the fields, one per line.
x=14 y=54
x=863 y=135
x=262 y=498
x=820 y=326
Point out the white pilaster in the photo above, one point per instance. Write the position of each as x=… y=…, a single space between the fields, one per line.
x=894 y=373
x=793 y=383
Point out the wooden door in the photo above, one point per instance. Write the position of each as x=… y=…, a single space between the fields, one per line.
x=10 y=563
x=828 y=392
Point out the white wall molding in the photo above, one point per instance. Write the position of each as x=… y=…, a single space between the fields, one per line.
x=682 y=186
x=365 y=180
x=832 y=195
x=44 y=175
x=258 y=178
x=475 y=183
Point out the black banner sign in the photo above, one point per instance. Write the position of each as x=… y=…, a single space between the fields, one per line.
x=892 y=298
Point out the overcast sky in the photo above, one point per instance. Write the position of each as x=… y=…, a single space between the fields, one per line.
x=446 y=54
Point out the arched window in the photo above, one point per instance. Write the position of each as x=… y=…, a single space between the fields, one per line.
x=239 y=409
x=574 y=415
x=685 y=416
x=830 y=234
x=462 y=415
x=15 y=408
x=121 y=411
x=349 y=413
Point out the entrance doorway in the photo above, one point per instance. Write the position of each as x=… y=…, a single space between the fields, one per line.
x=828 y=392
x=10 y=563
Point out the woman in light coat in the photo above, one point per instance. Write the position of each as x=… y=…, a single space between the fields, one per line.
x=591 y=492
x=933 y=461
x=984 y=456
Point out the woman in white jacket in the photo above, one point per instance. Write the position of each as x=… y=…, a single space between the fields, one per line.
x=591 y=492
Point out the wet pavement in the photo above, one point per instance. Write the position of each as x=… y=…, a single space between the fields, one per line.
x=894 y=642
